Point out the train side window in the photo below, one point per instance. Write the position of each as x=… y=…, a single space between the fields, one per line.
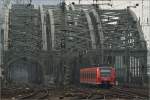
x=92 y=75
x=86 y=75
x=82 y=74
x=89 y=75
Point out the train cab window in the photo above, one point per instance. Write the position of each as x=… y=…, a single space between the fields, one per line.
x=105 y=72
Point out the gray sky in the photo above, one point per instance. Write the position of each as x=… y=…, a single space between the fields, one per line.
x=50 y=2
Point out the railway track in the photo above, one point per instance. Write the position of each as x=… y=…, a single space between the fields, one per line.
x=132 y=92
x=36 y=94
x=8 y=93
x=129 y=94
x=105 y=94
x=75 y=93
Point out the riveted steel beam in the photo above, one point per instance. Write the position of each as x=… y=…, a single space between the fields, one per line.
x=6 y=30
x=67 y=8
x=72 y=7
x=52 y=27
x=90 y=25
x=44 y=37
x=100 y=32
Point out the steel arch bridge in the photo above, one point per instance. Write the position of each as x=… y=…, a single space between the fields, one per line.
x=61 y=39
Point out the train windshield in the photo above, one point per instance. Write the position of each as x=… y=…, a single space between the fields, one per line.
x=105 y=72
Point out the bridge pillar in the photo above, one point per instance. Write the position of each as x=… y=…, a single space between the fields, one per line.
x=43 y=23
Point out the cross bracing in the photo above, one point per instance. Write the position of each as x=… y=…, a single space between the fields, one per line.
x=63 y=38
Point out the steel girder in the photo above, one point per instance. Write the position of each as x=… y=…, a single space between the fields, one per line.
x=68 y=34
x=74 y=36
x=121 y=40
x=24 y=41
x=113 y=36
x=22 y=38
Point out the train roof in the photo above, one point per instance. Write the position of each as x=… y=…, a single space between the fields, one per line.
x=94 y=67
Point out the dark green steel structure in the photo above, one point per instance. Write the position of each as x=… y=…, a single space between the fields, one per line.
x=54 y=42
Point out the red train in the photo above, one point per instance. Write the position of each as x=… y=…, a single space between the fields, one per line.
x=98 y=76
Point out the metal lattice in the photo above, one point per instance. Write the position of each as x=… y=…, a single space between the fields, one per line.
x=65 y=38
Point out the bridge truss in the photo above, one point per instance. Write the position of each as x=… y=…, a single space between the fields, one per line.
x=61 y=39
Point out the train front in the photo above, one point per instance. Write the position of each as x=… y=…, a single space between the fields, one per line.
x=107 y=76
